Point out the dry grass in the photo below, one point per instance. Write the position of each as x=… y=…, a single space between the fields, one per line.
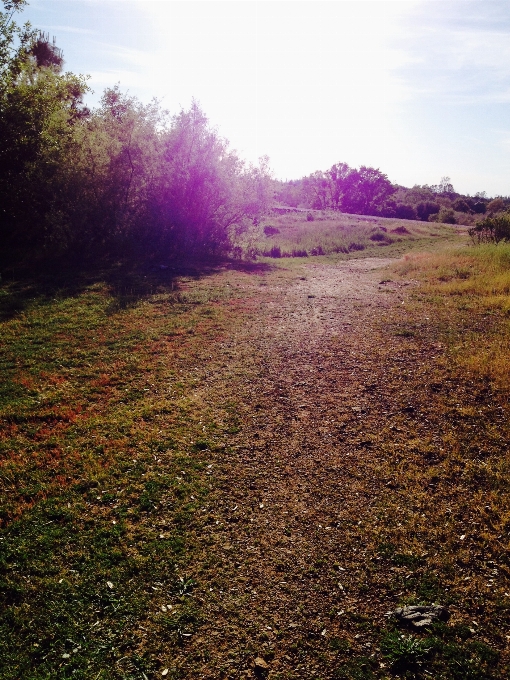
x=337 y=233
x=475 y=279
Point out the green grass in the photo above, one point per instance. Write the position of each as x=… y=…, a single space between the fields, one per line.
x=344 y=235
x=476 y=280
x=103 y=454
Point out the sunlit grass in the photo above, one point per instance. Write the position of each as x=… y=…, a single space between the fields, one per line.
x=325 y=233
x=476 y=279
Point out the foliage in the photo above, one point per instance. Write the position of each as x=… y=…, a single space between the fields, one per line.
x=496 y=205
x=445 y=216
x=343 y=188
x=425 y=209
x=124 y=178
x=404 y=651
x=39 y=110
x=493 y=229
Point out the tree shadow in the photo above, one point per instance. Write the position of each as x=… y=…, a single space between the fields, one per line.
x=128 y=282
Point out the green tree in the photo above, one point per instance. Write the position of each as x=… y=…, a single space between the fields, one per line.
x=39 y=109
x=366 y=190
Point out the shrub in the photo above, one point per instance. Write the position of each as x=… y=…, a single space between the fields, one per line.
x=461 y=206
x=426 y=209
x=497 y=205
x=492 y=229
x=405 y=212
x=445 y=216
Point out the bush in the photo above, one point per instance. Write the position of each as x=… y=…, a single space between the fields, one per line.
x=445 y=216
x=426 y=209
x=405 y=212
x=380 y=237
x=495 y=206
x=461 y=206
x=492 y=229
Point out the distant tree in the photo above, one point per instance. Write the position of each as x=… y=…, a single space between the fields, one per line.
x=317 y=190
x=366 y=190
x=479 y=207
x=338 y=176
x=445 y=216
x=495 y=206
x=461 y=205
x=427 y=208
x=444 y=187
x=405 y=212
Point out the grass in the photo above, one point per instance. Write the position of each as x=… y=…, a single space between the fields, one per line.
x=103 y=451
x=186 y=486
x=476 y=281
x=343 y=235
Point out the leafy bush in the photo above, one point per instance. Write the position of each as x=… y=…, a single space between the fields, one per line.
x=492 y=229
x=405 y=212
x=445 y=216
x=461 y=206
x=404 y=651
x=427 y=208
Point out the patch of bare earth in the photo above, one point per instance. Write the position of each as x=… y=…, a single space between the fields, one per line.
x=344 y=491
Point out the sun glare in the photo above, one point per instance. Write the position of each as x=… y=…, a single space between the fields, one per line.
x=271 y=73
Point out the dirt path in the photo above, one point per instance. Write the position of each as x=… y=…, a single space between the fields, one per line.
x=321 y=521
x=294 y=485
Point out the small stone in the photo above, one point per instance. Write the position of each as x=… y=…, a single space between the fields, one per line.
x=421 y=615
x=260 y=664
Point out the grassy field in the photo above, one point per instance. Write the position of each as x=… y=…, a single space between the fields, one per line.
x=156 y=518
x=313 y=233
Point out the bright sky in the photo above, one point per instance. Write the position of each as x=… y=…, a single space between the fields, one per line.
x=419 y=89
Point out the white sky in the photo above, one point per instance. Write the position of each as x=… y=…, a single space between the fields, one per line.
x=419 y=89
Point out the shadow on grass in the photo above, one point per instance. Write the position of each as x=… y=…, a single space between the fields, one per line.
x=128 y=282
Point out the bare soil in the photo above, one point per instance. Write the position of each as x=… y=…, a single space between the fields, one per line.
x=342 y=494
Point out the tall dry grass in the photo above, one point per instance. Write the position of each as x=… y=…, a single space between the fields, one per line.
x=477 y=280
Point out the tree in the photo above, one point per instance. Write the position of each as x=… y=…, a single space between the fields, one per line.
x=427 y=208
x=366 y=190
x=495 y=206
x=444 y=187
x=492 y=229
x=338 y=181
x=207 y=193
x=39 y=107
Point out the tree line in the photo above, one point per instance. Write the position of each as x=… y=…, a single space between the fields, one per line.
x=368 y=191
x=124 y=178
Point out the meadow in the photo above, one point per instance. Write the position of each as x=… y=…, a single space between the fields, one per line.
x=308 y=233
x=236 y=469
